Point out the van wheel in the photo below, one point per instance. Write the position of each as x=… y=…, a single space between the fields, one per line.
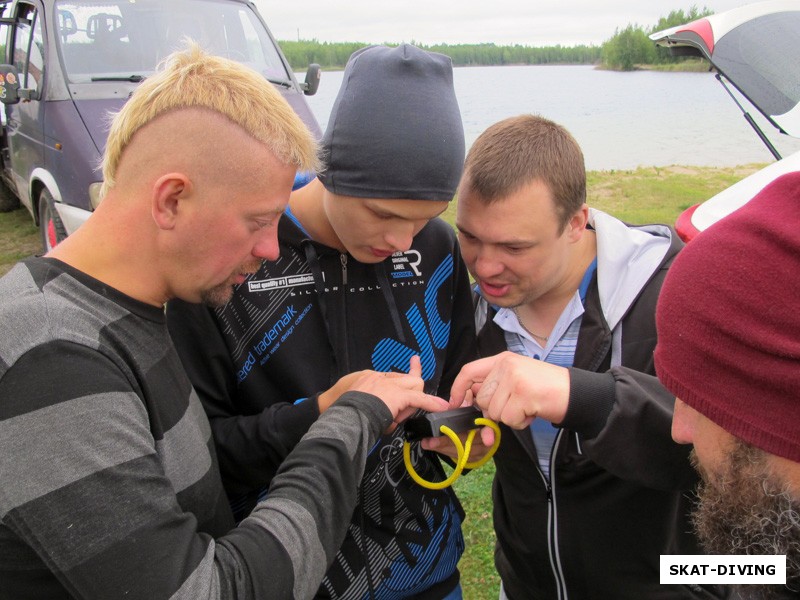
x=8 y=200
x=50 y=225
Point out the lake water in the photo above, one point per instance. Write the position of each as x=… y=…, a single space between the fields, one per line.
x=621 y=120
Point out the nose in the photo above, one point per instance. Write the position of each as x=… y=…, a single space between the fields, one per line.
x=683 y=419
x=400 y=237
x=266 y=246
x=484 y=263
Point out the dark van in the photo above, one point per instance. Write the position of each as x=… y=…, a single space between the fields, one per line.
x=69 y=63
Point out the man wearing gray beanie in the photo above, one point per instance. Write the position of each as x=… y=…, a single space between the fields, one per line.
x=368 y=278
x=395 y=129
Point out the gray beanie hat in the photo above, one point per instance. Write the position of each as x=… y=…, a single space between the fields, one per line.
x=395 y=130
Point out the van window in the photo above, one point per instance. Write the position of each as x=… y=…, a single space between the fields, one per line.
x=107 y=38
x=29 y=48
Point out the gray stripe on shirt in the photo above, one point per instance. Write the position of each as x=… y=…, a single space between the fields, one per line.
x=296 y=530
x=58 y=301
x=336 y=424
x=203 y=581
x=183 y=464
x=68 y=441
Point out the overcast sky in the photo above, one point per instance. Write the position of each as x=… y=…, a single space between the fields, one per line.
x=526 y=22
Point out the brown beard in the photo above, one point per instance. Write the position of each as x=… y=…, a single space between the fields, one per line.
x=743 y=508
x=218 y=296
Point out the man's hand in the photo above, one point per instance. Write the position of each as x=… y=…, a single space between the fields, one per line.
x=514 y=389
x=481 y=443
x=345 y=384
x=402 y=394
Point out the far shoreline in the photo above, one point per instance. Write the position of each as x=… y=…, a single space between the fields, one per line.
x=654 y=194
x=690 y=66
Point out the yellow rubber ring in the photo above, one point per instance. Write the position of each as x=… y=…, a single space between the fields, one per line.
x=462 y=450
x=494 y=427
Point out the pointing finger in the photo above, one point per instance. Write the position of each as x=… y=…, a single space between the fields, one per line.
x=415 y=366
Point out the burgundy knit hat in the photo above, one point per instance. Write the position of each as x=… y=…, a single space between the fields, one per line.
x=728 y=321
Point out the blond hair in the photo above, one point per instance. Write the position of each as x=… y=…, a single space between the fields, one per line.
x=192 y=78
x=516 y=151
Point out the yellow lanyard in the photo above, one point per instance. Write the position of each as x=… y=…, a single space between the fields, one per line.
x=463 y=454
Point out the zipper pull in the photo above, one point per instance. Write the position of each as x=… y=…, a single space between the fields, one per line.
x=343 y=260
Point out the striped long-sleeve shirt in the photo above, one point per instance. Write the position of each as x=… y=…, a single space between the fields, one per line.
x=109 y=485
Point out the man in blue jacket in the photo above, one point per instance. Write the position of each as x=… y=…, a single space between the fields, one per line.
x=367 y=277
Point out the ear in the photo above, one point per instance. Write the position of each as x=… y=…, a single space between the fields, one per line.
x=169 y=194
x=578 y=222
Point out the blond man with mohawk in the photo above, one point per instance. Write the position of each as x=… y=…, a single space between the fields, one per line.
x=110 y=482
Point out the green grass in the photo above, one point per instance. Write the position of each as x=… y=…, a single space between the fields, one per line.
x=698 y=65
x=19 y=238
x=658 y=194
x=652 y=194
x=479 y=579
x=645 y=195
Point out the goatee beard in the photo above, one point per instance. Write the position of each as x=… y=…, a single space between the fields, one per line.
x=220 y=295
x=745 y=509
x=217 y=297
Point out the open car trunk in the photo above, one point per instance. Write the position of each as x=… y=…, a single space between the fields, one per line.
x=756 y=49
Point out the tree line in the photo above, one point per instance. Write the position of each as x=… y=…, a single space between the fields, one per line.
x=632 y=46
x=335 y=54
x=625 y=50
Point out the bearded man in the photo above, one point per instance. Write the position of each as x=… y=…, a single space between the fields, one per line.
x=729 y=349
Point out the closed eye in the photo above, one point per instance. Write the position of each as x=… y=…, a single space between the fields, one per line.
x=263 y=223
x=383 y=216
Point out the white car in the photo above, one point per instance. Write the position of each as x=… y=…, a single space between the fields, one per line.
x=756 y=49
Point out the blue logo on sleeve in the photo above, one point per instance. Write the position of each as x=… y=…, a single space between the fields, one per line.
x=430 y=331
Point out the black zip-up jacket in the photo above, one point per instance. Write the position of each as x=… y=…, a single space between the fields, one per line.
x=290 y=332
x=619 y=493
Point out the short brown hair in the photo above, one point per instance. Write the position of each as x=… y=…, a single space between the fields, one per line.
x=518 y=150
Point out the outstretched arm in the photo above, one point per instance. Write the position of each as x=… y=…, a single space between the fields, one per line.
x=94 y=505
x=622 y=415
x=514 y=389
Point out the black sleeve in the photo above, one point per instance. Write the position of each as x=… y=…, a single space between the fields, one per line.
x=625 y=420
x=250 y=445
